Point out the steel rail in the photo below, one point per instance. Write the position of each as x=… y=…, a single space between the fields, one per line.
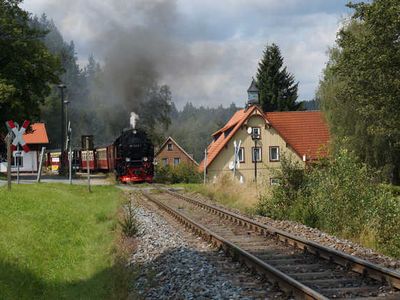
x=285 y=282
x=350 y=262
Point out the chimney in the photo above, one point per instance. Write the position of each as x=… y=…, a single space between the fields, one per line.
x=252 y=94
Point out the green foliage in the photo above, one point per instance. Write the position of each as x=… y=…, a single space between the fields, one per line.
x=129 y=224
x=278 y=90
x=291 y=179
x=182 y=173
x=339 y=196
x=54 y=245
x=360 y=89
x=26 y=66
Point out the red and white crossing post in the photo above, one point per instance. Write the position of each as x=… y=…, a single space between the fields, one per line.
x=17 y=141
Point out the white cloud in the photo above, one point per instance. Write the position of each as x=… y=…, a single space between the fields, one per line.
x=223 y=40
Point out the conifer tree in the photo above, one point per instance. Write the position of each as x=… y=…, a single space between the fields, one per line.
x=278 y=89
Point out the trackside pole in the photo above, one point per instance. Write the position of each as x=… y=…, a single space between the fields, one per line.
x=205 y=166
x=71 y=156
x=9 y=155
x=39 y=175
x=87 y=162
x=17 y=155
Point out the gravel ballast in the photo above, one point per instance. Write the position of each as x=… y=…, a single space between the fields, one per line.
x=173 y=264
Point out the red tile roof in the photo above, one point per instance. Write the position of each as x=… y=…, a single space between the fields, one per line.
x=37 y=134
x=235 y=122
x=305 y=131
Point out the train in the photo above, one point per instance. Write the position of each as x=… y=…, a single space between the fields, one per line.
x=130 y=157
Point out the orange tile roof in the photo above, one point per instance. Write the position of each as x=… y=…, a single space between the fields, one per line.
x=305 y=131
x=37 y=134
x=235 y=122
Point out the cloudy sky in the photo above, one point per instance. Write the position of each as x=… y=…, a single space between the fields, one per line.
x=205 y=50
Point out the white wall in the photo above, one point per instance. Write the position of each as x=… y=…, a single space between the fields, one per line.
x=30 y=163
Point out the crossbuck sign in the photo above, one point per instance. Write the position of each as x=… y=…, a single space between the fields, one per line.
x=18 y=134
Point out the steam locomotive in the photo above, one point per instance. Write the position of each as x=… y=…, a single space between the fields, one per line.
x=134 y=156
x=131 y=157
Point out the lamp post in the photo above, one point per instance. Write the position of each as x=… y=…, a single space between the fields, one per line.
x=61 y=168
x=254 y=136
x=68 y=146
x=66 y=102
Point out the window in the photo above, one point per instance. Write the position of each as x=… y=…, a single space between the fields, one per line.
x=177 y=160
x=274 y=181
x=169 y=147
x=256 y=155
x=241 y=155
x=256 y=132
x=165 y=161
x=274 y=153
x=19 y=160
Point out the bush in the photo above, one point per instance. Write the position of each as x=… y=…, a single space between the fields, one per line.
x=339 y=196
x=291 y=176
x=182 y=173
x=129 y=224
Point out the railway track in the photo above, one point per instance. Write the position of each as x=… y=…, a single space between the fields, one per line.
x=301 y=268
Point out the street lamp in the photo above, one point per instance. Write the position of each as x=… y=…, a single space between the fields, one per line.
x=66 y=102
x=255 y=135
x=61 y=168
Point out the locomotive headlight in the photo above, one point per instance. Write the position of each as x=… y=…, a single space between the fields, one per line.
x=145 y=158
x=127 y=159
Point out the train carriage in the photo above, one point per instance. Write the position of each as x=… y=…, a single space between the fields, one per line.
x=102 y=161
x=83 y=160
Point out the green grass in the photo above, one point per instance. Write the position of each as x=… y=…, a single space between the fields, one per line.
x=58 y=242
x=226 y=192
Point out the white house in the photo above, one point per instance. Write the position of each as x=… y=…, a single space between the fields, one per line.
x=29 y=162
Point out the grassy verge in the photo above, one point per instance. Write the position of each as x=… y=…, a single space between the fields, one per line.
x=243 y=197
x=60 y=242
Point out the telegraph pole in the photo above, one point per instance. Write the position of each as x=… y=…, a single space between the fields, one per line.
x=9 y=157
x=61 y=169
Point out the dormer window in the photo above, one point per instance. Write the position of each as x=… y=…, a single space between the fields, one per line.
x=256 y=133
x=169 y=147
x=228 y=131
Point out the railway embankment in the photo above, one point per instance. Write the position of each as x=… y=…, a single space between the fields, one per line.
x=302 y=268
x=340 y=197
x=172 y=263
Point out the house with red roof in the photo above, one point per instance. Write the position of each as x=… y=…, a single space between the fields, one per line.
x=36 y=138
x=252 y=142
x=172 y=154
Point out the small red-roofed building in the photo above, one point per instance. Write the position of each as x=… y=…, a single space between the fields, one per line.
x=36 y=138
x=263 y=139
x=172 y=154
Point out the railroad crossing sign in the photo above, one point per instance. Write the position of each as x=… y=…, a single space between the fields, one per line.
x=18 y=134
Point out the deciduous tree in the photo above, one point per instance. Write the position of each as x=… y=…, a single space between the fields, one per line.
x=360 y=90
x=26 y=66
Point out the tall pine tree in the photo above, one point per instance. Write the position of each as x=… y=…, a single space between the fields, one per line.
x=278 y=89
